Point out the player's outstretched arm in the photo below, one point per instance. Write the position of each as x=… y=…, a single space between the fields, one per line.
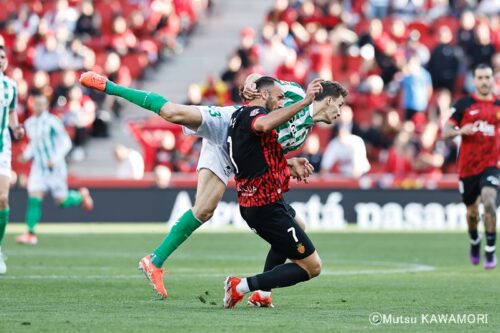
x=185 y=115
x=274 y=119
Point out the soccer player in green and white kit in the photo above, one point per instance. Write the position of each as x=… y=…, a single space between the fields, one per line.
x=214 y=166
x=48 y=145
x=8 y=118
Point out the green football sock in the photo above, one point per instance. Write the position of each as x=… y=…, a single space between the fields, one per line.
x=4 y=218
x=33 y=213
x=180 y=231
x=74 y=198
x=145 y=99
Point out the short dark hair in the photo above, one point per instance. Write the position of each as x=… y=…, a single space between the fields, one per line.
x=481 y=66
x=333 y=89
x=264 y=82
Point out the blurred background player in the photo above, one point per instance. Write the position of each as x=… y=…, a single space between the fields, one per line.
x=8 y=103
x=214 y=166
x=48 y=145
x=475 y=120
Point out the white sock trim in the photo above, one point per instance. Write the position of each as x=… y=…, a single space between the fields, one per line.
x=243 y=287
x=489 y=248
x=475 y=241
x=264 y=293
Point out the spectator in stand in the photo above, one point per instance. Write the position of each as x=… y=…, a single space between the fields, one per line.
x=429 y=158
x=439 y=8
x=229 y=76
x=88 y=23
x=41 y=82
x=445 y=59
x=376 y=8
x=122 y=40
x=309 y=13
x=61 y=93
x=79 y=114
x=416 y=86
x=292 y=69
x=163 y=175
x=312 y=151
x=248 y=48
x=481 y=53
x=166 y=152
x=320 y=53
x=347 y=151
x=48 y=55
x=414 y=46
x=408 y=9
x=194 y=95
x=61 y=17
x=130 y=164
x=465 y=33
x=281 y=12
x=273 y=54
x=400 y=156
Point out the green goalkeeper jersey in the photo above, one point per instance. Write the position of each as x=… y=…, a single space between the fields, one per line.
x=293 y=133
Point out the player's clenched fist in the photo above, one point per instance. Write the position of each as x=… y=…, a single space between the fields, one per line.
x=313 y=89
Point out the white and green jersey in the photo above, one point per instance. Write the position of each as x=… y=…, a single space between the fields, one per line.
x=48 y=142
x=293 y=133
x=8 y=103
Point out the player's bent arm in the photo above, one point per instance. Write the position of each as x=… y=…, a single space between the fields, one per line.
x=17 y=129
x=450 y=130
x=274 y=119
x=185 y=115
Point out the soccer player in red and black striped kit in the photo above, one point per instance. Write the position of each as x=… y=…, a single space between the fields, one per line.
x=476 y=119
x=262 y=176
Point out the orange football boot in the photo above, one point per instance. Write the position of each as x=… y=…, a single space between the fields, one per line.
x=154 y=275
x=94 y=81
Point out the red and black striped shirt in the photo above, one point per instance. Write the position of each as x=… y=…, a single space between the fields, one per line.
x=482 y=149
x=261 y=169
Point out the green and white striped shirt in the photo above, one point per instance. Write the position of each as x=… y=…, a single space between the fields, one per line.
x=48 y=142
x=293 y=133
x=8 y=103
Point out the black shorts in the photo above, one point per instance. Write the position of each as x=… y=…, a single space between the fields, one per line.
x=470 y=187
x=276 y=225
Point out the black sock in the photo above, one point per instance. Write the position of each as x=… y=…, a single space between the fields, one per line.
x=281 y=276
x=473 y=234
x=273 y=259
x=490 y=244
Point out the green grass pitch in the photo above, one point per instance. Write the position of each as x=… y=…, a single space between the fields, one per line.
x=90 y=283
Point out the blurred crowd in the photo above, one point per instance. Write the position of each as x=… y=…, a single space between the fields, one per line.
x=49 y=42
x=403 y=62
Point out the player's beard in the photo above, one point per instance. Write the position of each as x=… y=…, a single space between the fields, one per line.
x=270 y=104
x=485 y=90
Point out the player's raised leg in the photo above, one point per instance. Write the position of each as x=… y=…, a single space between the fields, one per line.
x=210 y=189
x=4 y=216
x=488 y=197
x=185 y=115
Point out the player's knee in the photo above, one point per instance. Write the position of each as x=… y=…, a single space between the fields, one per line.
x=203 y=213
x=314 y=269
x=169 y=113
x=4 y=200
